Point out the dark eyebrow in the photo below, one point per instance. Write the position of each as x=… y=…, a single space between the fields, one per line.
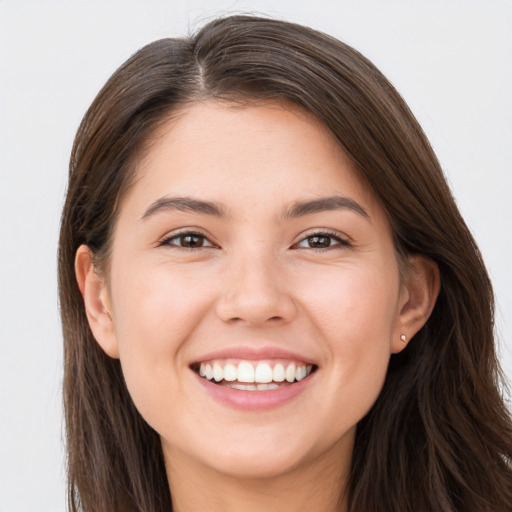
x=323 y=204
x=184 y=204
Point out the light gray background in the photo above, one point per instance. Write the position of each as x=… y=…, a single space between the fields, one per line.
x=451 y=60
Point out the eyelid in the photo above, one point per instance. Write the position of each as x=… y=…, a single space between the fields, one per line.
x=164 y=241
x=344 y=240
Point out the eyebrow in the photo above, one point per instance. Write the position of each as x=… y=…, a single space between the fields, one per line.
x=184 y=204
x=298 y=209
x=323 y=204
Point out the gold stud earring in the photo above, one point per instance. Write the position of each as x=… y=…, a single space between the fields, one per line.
x=403 y=337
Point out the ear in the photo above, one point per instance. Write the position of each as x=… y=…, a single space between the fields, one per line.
x=419 y=294
x=96 y=300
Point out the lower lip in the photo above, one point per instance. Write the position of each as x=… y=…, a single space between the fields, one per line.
x=254 y=400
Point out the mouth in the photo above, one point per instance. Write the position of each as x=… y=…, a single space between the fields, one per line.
x=252 y=375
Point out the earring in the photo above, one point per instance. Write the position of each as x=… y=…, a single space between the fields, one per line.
x=403 y=337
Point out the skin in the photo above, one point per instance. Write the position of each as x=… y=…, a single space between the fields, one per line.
x=255 y=280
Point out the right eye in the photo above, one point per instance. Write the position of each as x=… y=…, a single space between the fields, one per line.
x=187 y=240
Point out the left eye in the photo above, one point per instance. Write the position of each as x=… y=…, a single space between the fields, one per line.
x=188 y=241
x=321 y=241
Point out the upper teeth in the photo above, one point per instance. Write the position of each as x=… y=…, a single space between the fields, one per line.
x=262 y=372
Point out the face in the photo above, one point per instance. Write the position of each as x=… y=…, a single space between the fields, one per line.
x=254 y=290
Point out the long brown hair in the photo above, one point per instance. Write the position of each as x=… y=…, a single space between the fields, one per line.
x=439 y=437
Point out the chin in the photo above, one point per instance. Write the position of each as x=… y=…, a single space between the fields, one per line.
x=244 y=453
x=257 y=466
x=267 y=453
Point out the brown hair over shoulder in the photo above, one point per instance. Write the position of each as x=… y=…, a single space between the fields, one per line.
x=439 y=437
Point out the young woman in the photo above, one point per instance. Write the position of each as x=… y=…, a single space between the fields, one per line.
x=269 y=298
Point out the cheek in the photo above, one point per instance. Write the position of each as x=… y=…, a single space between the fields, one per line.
x=354 y=317
x=353 y=301
x=160 y=299
x=156 y=312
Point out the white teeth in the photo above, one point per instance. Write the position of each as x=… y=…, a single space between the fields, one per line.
x=218 y=374
x=278 y=374
x=300 y=373
x=290 y=372
x=230 y=372
x=263 y=373
x=267 y=387
x=254 y=387
x=246 y=373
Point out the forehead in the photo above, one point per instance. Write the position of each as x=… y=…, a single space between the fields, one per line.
x=273 y=152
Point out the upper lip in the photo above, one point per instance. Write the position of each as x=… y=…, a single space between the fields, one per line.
x=254 y=354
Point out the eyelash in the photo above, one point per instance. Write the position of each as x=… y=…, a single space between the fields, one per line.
x=184 y=234
x=332 y=235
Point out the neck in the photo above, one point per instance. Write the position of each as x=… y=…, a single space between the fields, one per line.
x=319 y=485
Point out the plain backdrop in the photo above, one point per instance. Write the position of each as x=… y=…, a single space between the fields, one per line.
x=451 y=60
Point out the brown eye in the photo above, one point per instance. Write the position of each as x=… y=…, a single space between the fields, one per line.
x=319 y=241
x=322 y=241
x=191 y=241
x=188 y=241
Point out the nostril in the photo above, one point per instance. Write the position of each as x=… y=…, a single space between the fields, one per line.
x=251 y=321
x=255 y=300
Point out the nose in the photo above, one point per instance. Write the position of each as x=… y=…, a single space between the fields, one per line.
x=256 y=293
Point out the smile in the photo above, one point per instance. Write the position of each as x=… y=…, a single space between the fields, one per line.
x=253 y=375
